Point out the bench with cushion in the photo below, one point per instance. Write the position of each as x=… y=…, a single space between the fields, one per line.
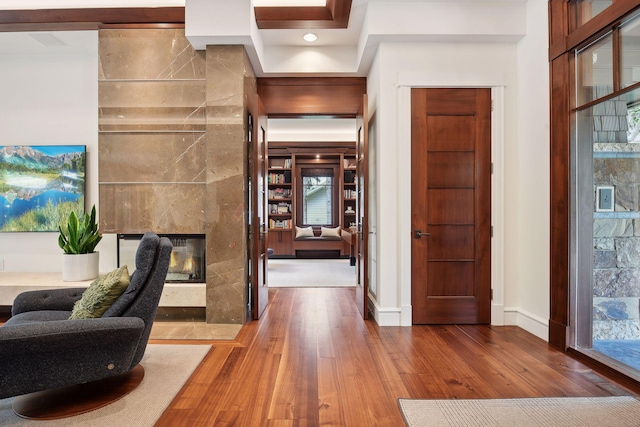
x=323 y=241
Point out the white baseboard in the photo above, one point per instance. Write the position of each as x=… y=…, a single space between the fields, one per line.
x=527 y=321
x=497 y=314
x=390 y=316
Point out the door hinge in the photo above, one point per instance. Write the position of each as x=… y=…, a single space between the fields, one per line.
x=492 y=105
x=491 y=294
x=492 y=231
x=491 y=168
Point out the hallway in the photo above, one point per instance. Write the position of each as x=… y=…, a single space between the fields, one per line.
x=311 y=273
x=311 y=360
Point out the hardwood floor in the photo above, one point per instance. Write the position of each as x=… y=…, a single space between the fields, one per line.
x=312 y=361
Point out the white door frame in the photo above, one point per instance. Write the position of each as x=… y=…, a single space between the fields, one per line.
x=406 y=83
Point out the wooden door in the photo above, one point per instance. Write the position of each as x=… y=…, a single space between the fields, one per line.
x=259 y=212
x=362 y=226
x=451 y=206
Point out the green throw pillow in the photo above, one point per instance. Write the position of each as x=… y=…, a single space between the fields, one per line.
x=99 y=296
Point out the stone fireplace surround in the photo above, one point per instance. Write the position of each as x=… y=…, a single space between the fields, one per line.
x=172 y=151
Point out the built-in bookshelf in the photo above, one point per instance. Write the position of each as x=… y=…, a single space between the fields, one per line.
x=349 y=192
x=280 y=193
x=280 y=204
x=285 y=166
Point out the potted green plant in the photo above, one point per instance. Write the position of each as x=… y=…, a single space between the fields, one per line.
x=78 y=239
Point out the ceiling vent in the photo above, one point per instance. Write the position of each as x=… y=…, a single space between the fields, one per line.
x=47 y=39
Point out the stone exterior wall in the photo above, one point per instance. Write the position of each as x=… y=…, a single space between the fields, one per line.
x=616 y=274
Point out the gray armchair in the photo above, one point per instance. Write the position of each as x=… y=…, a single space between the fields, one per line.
x=41 y=349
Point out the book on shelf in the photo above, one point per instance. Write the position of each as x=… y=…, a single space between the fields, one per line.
x=279 y=193
x=280 y=223
x=284 y=208
x=349 y=163
x=281 y=164
x=279 y=178
x=279 y=208
x=350 y=194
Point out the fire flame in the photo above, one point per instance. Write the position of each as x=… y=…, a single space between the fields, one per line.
x=188 y=265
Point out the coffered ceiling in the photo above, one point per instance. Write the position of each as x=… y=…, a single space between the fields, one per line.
x=348 y=31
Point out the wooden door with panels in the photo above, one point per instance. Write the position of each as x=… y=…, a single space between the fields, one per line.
x=451 y=206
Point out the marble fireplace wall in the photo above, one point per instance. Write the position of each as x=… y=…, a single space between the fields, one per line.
x=152 y=124
x=231 y=85
x=172 y=149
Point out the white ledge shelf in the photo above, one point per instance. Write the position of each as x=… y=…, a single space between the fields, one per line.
x=173 y=294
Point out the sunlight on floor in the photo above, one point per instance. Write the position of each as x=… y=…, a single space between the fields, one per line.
x=193 y=331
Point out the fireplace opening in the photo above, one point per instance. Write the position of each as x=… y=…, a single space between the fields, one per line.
x=187 y=264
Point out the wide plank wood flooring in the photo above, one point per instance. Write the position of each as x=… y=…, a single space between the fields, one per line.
x=312 y=361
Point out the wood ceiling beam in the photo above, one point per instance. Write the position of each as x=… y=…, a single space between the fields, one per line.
x=334 y=15
x=89 y=18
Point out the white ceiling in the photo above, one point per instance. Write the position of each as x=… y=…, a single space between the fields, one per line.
x=312 y=129
x=293 y=56
x=281 y=42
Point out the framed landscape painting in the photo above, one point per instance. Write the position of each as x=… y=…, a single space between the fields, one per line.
x=40 y=185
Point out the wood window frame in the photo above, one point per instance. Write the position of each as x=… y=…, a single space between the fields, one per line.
x=562 y=44
x=301 y=164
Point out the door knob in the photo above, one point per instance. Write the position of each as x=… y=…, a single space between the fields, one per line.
x=419 y=234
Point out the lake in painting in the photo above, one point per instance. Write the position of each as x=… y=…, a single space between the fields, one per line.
x=40 y=185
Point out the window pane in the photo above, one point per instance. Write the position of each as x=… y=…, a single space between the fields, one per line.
x=595 y=71
x=584 y=10
x=604 y=234
x=317 y=200
x=630 y=62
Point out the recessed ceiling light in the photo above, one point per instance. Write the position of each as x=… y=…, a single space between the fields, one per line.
x=310 y=37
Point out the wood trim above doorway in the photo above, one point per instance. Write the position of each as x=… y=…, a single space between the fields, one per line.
x=312 y=96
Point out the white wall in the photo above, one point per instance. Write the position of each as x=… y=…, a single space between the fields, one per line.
x=528 y=269
x=519 y=73
x=48 y=99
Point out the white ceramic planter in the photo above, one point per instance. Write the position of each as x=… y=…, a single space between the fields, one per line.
x=76 y=268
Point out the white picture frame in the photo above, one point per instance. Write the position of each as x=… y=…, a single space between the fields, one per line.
x=605 y=198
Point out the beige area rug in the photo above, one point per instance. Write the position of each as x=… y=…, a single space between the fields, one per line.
x=557 y=412
x=167 y=368
x=310 y=273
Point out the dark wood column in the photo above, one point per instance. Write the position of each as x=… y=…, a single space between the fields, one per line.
x=560 y=206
